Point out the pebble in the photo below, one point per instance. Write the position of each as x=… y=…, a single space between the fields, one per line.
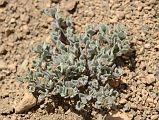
x=3 y=65
x=150 y=100
x=12 y=20
x=113 y=20
x=150 y=78
x=157 y=106
x=12 y=67
x=3 y=51
x=133 y=112
x=123 y=101
x=133 y=106
x=126 y=107
x=70 y=5
x=157 y=47
x=141 y=51
x=68 y=111
x=22 y=68
x=25 y=18
x=154 y=117
x=116 y=116
x=147 y=46
x=120 y=15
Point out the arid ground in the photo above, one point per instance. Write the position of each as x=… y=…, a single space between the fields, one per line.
x=23 y=23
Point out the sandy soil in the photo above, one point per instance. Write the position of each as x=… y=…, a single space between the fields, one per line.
x=22 y=23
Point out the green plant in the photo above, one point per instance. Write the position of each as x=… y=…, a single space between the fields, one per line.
x=78 y=67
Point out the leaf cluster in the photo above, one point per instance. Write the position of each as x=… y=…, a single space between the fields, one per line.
x=78 y=67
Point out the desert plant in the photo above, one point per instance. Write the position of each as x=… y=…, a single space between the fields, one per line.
x=78 y=67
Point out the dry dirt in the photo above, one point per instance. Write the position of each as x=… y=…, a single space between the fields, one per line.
x=22 y=23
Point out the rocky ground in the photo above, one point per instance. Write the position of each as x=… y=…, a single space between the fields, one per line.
x=23 y=23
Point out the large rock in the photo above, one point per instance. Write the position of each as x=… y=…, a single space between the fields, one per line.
x=26 y=103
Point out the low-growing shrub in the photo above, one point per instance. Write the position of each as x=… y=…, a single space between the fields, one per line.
x=78 y=67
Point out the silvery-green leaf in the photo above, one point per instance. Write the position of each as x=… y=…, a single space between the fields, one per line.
x=41 y=97
x=70 y=33
x=85 y=38
x=117 y=72
x=68 y=22
x=50 y=12
x=97 y=105
x=83 y=100
x=56 y=90
x=74 y=82
x=91 y=32
x=64 y=92
x=87 y=44
x=121 y=35
x=44 y=46
x=95 y=83
x=89 y=97
x=79 y=106
x=32 y=89
x=103 y=28
x=72 y=92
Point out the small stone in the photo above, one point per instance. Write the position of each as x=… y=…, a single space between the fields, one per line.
x=22 y=68
x=99 y=117
x=114 y=20
x=3 y=51
x=123 y=101
x=14 y=117
x=2 y=18
x=141 y=51
x=67 y=112
x=26 y=103
x=25 y=18
x=127 y=107
x=144 y=93
x=157 y=106
x=152 y=2
x=157 y=47
x=42 y=106
x=2 y=65
x=133 y=106
x=150 y=100
x=147 y=8
x=116 y=115
x=94 y=113
x=70 y=5
x=150 y=78
x=25 y=29
x=12 y=67
x=140 y=107
x=133 y=112
x=154 y=117
x=12 y=20
x=147 y=46
x=121 y=15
